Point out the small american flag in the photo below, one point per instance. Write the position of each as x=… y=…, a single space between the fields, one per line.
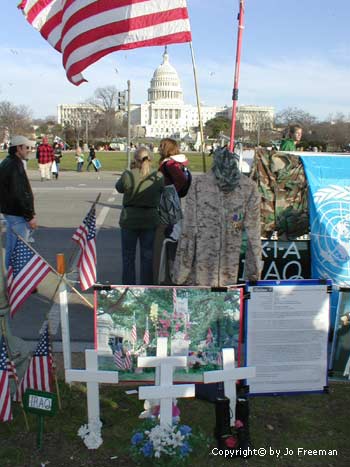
x=146 y=334
x=85 y=31
x=119 y=359
x=5 y=395
x=127 y=360
x=174 y=300
x=219 y=358
x=122 y=361
x=134 y=332
x=39 y=372
x=210 y=337
x=85 y=236
x=27 y=269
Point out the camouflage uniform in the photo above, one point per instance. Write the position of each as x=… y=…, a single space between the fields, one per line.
x=209 y=247
x=283 y=187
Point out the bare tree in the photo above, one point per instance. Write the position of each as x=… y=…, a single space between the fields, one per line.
x=292 y=115
x=14 y=119
x=105 y=101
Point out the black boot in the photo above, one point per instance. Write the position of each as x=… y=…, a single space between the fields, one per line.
x=223 y=433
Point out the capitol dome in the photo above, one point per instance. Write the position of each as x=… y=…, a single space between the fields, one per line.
x=165 y=83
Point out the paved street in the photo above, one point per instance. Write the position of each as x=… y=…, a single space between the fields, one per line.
x=61 y=205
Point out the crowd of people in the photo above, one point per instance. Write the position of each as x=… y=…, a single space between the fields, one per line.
x=220 y=205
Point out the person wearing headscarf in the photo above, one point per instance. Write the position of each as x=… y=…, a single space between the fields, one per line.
x=222 y=207
x=142 y=188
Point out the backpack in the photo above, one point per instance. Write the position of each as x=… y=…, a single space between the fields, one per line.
x=184 y=190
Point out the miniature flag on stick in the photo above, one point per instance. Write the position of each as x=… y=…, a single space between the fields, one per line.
x=85 y=236
x=146 y=335
x=39 y=372
x=27 y=269
x=86 y=30
x=6 y=370
x=210 y=337
x=134 y=332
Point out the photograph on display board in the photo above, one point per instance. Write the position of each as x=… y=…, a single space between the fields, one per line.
x=341 y=341
x=198 y=323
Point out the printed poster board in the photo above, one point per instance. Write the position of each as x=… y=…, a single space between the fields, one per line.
x=340 y=358
x=197 y=321
x=287 y=324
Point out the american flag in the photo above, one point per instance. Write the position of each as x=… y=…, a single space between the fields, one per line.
x=134 y=332
x=119 y=359
x=146 y=334
x=39 y=372
x=219 y=358
x=127 y=360
x=122 y=361
x=174 y=300
x=5 y=395
x=86 y=30
x=210 y=337
x=85 y=236
x=27 y=269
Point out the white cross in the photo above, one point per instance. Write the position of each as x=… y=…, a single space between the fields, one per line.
x=164 y=389
x=92 y=377
x=229 y=375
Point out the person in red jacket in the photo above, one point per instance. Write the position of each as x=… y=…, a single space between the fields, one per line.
x=45 y=157
x=171 y=162
x=170 y=165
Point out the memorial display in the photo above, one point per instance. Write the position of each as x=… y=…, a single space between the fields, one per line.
x=198 y=323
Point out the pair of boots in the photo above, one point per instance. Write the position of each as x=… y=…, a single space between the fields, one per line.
x=237 y=438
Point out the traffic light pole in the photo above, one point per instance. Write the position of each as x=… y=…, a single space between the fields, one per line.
x=129 y=126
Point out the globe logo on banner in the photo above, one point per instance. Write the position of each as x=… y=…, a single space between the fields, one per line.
x=330 y=232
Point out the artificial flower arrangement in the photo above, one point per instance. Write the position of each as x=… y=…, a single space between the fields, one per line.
x=158 y=445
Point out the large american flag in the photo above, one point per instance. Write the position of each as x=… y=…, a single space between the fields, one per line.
x=134 y=333
x=39 y=372
x=86 y=30
x=27 y=269
x=5 y=373
x=85 y=236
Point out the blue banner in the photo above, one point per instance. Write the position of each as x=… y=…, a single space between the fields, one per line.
x=329 y=209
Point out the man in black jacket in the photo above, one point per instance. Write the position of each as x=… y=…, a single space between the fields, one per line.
x=16 y=196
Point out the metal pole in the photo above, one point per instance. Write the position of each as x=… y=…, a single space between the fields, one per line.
x=238 y=63
x=129 y=142
x=198 y=107
x=87 y=132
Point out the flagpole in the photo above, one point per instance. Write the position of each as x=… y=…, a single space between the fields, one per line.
x=237 y=69
x=198 y=107
x=57 y=273
x=3 y=328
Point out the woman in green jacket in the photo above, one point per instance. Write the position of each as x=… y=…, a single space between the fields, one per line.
x=142 y=188
x=295 y=133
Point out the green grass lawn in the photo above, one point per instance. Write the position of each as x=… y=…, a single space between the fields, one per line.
x=115 y=161
x=315 y=421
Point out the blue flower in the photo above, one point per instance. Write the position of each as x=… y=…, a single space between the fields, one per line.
x=137 y=438
x=147 y=450
x=185 y=449
x=185 y=430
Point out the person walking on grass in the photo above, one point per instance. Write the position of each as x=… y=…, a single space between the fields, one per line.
x=79 y=157
x=45 y=157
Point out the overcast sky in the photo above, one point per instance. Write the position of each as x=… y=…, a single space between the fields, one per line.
x=294 y=54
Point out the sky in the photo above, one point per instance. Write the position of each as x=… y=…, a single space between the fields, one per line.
x=295 y=53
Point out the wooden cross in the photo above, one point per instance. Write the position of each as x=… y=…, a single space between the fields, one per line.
x=164 y=390
x=92 y=377
x=229 y=375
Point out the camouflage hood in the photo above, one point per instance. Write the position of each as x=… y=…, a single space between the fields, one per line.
x=225 y=170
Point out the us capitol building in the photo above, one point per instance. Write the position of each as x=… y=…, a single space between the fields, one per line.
x=166 y=115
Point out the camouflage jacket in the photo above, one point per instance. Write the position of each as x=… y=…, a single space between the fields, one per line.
x=283 y=188
x=209 y=247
